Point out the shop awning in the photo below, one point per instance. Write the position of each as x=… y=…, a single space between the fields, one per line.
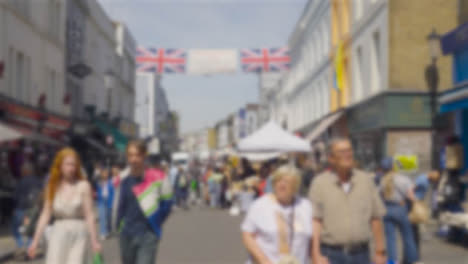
x=454 y=99
x=323 y=125
x=7 y=133
x=120 y=141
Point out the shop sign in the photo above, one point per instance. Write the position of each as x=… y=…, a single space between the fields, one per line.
x=408 y=111
x=407 y=162
x=28 y=117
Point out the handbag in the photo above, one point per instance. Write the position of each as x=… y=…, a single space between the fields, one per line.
x=419 y=213
x=288 y=259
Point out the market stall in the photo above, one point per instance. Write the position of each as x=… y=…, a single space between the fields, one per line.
x=272 y=138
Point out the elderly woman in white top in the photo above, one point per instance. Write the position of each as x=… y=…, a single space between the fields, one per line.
x=278 y=226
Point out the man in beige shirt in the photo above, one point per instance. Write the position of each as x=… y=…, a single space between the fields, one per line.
x=347 y=211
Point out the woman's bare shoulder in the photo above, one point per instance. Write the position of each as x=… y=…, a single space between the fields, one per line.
x=84 y=186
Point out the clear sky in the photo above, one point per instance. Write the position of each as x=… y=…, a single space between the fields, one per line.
x=200 y=100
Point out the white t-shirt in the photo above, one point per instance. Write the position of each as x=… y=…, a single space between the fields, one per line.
x=261 y=220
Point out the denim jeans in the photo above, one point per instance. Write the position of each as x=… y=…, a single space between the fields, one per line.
x=215 y=193
x=139 y=249
x=339 y=257
x=104 y=219
x=18 y=217
x=397 y=217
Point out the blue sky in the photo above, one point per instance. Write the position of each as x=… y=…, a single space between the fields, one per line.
x=201 y=101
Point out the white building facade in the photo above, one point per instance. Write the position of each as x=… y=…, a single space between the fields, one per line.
x=100 y=46
x=123 y=94
x=32 y=50
x=269 y=83
x=369 y=48
x=303 y=97
x=151 y=105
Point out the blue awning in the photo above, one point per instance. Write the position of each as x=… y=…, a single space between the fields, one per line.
x=454 y=99
x=455 y=40
x=453 y=106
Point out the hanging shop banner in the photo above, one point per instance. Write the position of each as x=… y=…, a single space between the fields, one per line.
x=205 y=61
x=407 y=162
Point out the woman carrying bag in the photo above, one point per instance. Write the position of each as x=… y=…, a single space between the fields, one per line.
x=396 y=189
x=278 y=226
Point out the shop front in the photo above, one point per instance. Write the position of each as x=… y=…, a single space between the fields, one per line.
x=454 y=103
x=38 y=134
x=391 y=124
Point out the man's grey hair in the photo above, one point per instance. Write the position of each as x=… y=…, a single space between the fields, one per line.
x=335 y=140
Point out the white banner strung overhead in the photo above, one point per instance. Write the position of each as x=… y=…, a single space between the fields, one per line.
x=212 y=61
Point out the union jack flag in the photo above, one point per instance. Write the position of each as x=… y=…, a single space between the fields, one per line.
x=265 y=60
x=161 y=60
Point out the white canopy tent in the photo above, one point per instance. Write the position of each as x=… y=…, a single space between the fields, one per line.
x=272 y=138
x=259 y=156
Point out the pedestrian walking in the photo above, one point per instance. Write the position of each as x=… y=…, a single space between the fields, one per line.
x=214 y=185
x=182 y=188
x=7 y=186
x=69 y=201
x=105 y=198
x=278 y=226
x=246 y=197
x=120 y=172
x=396 y=189
x=347 y=210
x=422 y=185
x=142 y=209
x=26 y=193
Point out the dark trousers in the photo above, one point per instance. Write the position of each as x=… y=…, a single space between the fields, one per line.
x=417 y=237
x=139 y=249
x=336 y=256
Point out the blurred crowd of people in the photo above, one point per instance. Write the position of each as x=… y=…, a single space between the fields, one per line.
x=350 y=208
x=295 y=208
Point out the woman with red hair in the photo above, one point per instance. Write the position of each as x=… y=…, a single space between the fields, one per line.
x=69 y=200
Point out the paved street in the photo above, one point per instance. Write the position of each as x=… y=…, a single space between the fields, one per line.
x=212 y=237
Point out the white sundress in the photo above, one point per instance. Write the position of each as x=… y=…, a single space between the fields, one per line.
x=69 y=240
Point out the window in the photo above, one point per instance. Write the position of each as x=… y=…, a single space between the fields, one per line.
x=57 y=15
x=310 y=49
x=315 y=101
x=18 y=93
x=326 y=96
x=27 y=81
x=10 y=71
x=357 y=9
x=359 y=85
x=375 y=62
x=310 y=103
x=22 y=6
x=51 y=90
x=320 y=100
x=325 y=39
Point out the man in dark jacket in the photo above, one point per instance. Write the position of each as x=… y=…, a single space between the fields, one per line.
x=140 y=234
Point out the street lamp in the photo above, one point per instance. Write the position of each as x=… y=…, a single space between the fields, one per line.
x=432 y=79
